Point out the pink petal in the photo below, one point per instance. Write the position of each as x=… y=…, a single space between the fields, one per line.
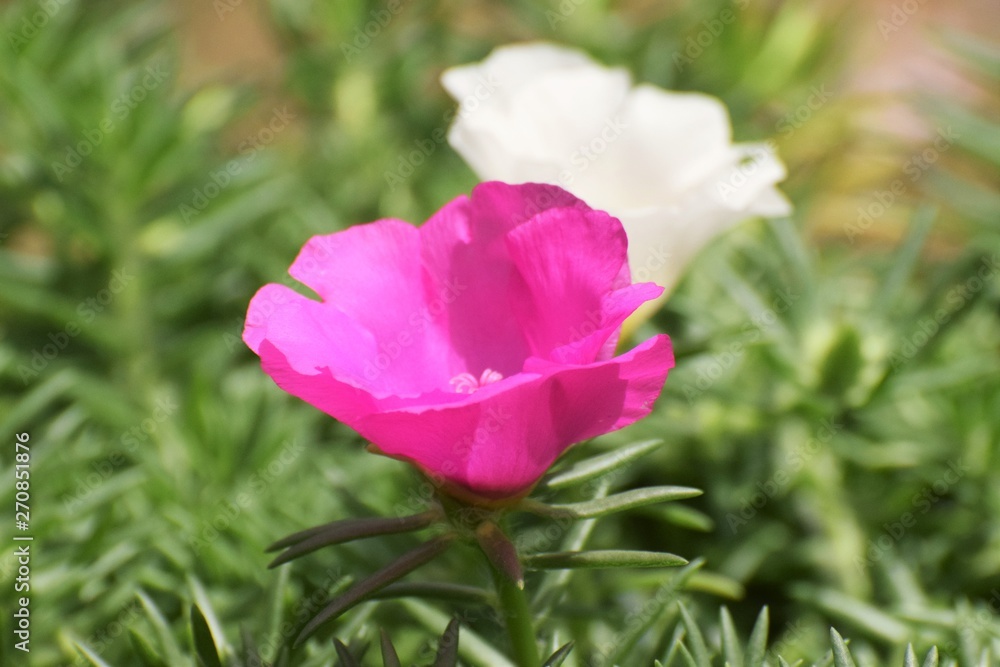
x=498 y=443
x=570 y=264
x=373 y=275
x=464 y=252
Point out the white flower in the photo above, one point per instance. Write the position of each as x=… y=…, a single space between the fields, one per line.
x=662 y=162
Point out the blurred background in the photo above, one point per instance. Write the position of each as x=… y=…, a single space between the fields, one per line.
x=837 y=394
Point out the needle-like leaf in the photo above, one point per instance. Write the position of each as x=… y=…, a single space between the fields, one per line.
x=601 y=559
x=363 y=590
x=559 y=656
x=447 y=653
x=618 y=502
x=204 y=644
x=339 y=532
x=346 y=659
x=601 y=465
x=389 y=656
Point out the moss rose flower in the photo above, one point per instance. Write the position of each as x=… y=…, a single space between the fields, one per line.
x=479 y=346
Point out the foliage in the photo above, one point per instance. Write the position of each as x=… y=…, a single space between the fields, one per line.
x=835 y=396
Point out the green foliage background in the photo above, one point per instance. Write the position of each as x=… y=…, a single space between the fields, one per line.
x=829 y=374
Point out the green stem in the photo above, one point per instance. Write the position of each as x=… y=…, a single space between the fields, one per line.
x=517 y=617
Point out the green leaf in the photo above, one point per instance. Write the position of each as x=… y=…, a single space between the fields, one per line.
x=361 y=591
x=344 y=655
x=602 y=559
x=859 y=613
x=251 y=654
x=597 y=466
x=757 y=646
x=389 y=656
x=618 y=502
x=931 y=660
x=688 y=657
x=661 y=611
x=440 y=590
x=204 y=645
x=553 y=582
x=207 y=612
x=143 y=651
x=674 y=648
x=447 y=653
x=167 y=641
x=910 y=659
x=731 y=650
x=906 y=259
x=339 y=532
x=557 y=658
x=474 y=649
x=699 y=649
x=716 y=584
x=841 y=654
x=682 y=516
x=94 y=659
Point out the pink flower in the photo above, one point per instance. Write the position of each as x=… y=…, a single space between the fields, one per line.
x=479 y=346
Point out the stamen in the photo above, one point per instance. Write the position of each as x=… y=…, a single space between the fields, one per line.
x=466 y=383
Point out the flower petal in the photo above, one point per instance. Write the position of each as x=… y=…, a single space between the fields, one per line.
x=524 y=109
x=498 y=444
x=373 y=275
x=570 y=264
x=664 y=143
x=465 y=252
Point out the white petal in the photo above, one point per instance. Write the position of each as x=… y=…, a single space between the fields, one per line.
x=668 y=143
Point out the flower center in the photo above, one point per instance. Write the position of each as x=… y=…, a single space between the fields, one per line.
x=466 y=383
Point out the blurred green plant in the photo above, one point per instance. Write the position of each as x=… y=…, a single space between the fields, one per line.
x=837 y=404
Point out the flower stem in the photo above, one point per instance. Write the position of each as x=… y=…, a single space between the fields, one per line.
x=517 y=617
